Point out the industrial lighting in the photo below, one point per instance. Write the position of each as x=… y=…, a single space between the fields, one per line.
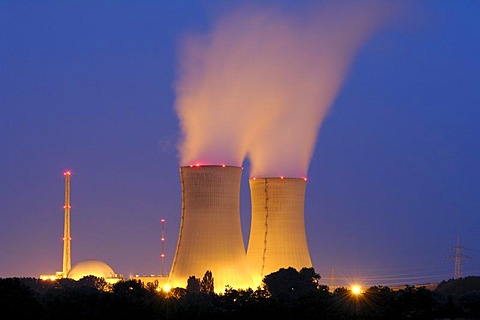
x=356 y=290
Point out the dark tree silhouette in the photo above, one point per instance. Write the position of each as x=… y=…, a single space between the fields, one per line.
x=461 y=297
x=416 y=303
x=95 y=282
x=17 y=301
x=207 y=284
x=289 y=285
x=285 y=294
x=193 y=284
x=130 y=299
x=459 y=286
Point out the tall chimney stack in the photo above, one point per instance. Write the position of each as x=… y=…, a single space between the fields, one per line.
x=67 y=262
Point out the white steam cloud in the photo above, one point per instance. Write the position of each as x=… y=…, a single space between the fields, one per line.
x=261 y=82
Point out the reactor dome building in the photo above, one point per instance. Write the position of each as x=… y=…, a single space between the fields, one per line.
x=93 y=267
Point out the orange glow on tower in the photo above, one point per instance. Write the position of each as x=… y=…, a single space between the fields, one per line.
x=210 y=236
x=277 y=232
x=67 y=257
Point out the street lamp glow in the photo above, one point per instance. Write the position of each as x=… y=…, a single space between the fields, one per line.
x=356 y=290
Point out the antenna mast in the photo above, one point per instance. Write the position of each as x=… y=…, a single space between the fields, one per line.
x=162 y=239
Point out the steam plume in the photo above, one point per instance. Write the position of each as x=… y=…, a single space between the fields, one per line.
x=261 y=83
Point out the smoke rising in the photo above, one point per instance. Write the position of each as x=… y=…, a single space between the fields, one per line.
x=260 y=84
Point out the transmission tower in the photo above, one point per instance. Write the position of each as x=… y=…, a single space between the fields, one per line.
x=458 y=257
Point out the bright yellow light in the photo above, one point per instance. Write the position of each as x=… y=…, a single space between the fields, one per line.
x=356 y=290
x=166 y=288
x=48 y=277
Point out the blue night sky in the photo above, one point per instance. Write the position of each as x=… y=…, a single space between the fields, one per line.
x=89 y=86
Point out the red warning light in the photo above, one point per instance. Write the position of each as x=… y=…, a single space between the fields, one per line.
x=67 y=173
x=163 y=220
x=305 y=178
x=198 y=165
x=281 y=177
x=223 y=165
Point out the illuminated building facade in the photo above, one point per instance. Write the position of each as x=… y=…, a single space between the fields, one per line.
x=277 y=235
x=210 y=236
x=67 y=252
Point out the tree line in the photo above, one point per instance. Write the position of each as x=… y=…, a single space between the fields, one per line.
x=285 y=294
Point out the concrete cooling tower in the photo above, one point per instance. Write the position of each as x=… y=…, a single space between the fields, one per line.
x=210 y=236
x=277 y=234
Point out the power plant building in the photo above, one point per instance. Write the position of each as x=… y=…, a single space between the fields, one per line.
x=91 y=267
x=277 y=235
x=210 y=236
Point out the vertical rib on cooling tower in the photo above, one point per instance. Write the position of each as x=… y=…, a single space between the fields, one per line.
x=210 y=236
x=277 y=234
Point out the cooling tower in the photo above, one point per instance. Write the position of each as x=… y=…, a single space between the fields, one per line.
x=277 y=234
x=210 y=236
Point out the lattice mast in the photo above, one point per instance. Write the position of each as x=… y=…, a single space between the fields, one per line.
x=162 y=240
x=458 y=259
x=67 y=257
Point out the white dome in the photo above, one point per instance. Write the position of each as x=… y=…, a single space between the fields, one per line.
x=91 y=267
